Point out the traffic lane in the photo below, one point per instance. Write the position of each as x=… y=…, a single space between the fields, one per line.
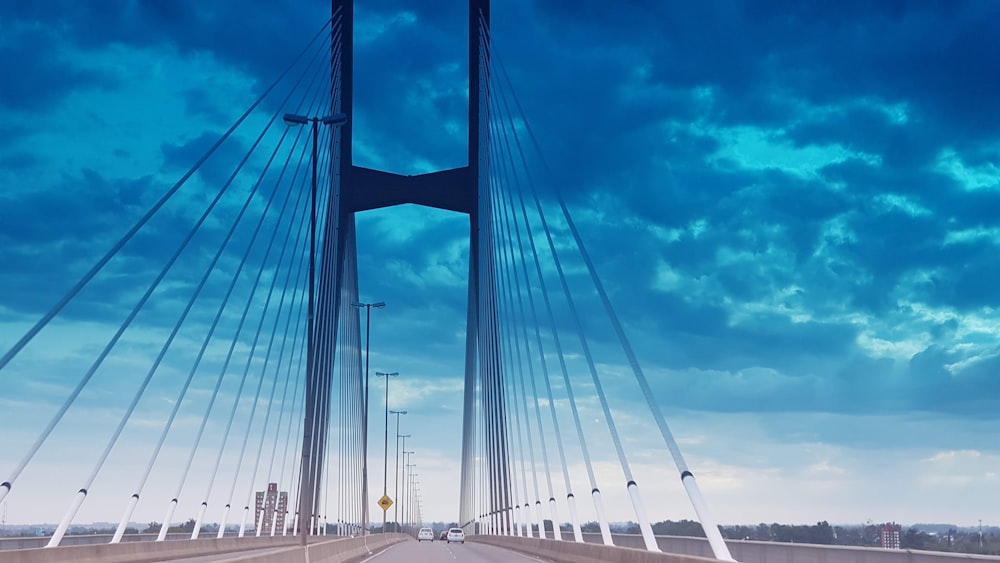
x=442 y=552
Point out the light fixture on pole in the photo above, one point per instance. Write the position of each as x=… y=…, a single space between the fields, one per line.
x=385 y=446
x=364 y=414
x=307 y=492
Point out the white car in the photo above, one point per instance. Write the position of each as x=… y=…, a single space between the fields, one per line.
x=425 y=534
x=456 y=534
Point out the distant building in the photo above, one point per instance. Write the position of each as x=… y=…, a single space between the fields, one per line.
x=268 y=502
x=890 y=536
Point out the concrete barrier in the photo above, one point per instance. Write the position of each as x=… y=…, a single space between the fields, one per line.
x=748 y=551
x=773 y=552
x=277 y=549
x=30 y=542
x=339 y=550
x=572 y=552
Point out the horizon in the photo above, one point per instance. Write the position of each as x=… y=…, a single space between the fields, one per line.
x=564 y=525
x=791 y=205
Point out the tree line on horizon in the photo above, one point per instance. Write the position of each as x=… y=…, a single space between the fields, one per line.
x=945 y=538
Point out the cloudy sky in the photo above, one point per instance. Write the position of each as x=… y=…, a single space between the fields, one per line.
x=791 y=206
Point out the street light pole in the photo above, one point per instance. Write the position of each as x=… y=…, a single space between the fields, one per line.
x=413 y=496
x=406 y=487
x=398 y=449
x=385 y=446
x=420 y=508
x=307 y=492
x=364 y=415
x=395 y=517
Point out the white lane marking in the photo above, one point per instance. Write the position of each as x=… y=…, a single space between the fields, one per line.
x=372 y=557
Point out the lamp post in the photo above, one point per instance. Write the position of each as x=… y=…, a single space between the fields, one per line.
x=414 y=489
x=395 y=518
x=385 y=445
x=406 y=487
x=403 y=450
x=307 y=498
x=364 y=414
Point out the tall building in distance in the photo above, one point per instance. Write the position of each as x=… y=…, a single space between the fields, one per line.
x=268 y=502
x=890 y=535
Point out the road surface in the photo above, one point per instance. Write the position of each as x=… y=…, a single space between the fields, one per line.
x=442 y=552
x=409 y=551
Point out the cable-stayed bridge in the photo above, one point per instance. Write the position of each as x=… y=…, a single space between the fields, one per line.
x=244 y=339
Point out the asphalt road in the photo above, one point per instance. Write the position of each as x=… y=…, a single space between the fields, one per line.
x=409 y=551
x=442 y=552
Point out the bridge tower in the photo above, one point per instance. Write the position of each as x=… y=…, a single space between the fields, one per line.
x=354 y=189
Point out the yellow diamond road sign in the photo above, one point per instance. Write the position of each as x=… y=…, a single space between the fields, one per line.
x=385 y=502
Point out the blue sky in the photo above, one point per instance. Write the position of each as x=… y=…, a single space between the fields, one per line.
x=791 y=205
